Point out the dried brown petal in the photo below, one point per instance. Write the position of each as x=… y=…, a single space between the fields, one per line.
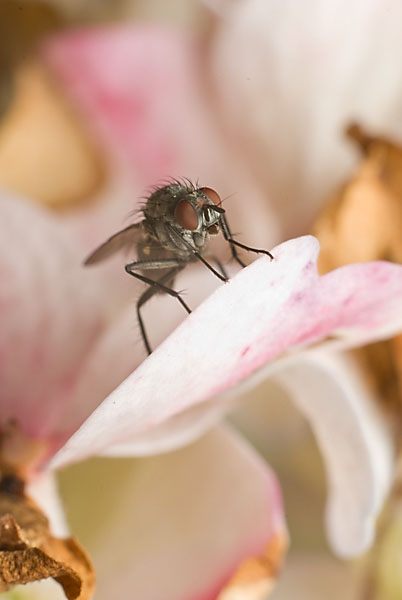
x=256 y=576
x=28 y=551
x=364 y=222
x=19 y=454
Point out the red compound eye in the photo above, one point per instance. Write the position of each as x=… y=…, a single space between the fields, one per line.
x=212 y=195
x=186 y=215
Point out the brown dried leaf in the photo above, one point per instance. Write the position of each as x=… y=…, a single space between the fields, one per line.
x=28 y=551
x=363 y=222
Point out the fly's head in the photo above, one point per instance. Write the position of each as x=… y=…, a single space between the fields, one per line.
x=182 y=216
x=199 y=212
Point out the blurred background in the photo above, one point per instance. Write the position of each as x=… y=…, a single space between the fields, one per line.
x=57 y=150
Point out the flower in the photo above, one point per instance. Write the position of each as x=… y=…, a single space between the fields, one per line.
x=277 y=305
x=149 y=128
x=53 y=332
x=157 y=127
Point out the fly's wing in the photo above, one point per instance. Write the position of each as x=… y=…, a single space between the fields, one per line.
x=123 y=240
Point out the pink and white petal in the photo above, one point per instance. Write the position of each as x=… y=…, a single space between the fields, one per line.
x=114 y=356
x=142 y=91
x=267 y=309
x=176 y=432
x=120 y=349
x=291 y=75
x=43 y=489
x=353 y=438
x=187 y=520
x=47 y=313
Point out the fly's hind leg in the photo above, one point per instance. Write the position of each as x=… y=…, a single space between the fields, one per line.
x=155 y=286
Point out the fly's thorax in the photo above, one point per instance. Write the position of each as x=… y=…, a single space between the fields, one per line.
x=161 y=204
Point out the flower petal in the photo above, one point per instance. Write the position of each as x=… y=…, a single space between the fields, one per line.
x=295 y=74
x=267 y=309
x=353 y=438
x=45 y=493
x=47 y=315
x=120 y=349
x=191 y=517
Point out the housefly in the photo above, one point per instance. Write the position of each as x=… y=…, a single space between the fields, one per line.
x=178 y=220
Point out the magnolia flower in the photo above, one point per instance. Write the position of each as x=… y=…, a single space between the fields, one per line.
x=70 y=360
x=53 y=333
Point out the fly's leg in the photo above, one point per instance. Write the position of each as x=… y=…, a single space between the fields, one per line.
x=199 y=256
x=155 y=263
x=158 y=284
x=155 y=286
x=147 y=295
x=220 y=266
x=221 y=275
x=233 y=243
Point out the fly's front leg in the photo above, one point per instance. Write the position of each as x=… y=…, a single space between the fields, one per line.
x=233 y=243
x=155 y=286
x=199 y=256
x=220 y=266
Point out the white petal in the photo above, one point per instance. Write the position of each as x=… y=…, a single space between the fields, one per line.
x=45 y=492
x=354 y=440
x=291 y=75
x=185 y=521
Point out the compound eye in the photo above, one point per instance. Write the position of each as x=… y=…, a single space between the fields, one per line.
x=212 y=195
x=186 y=216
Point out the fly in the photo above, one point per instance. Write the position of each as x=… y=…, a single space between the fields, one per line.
x=178 y=221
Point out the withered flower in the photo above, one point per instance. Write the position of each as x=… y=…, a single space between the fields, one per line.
x=29 y=551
